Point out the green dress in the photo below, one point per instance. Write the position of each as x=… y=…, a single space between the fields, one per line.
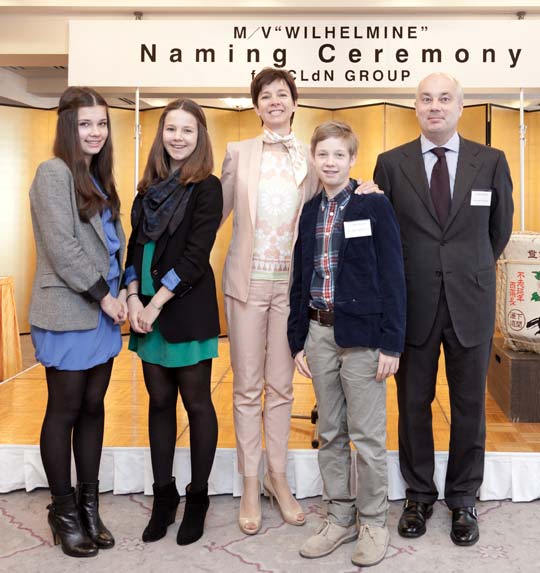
x=152 y=347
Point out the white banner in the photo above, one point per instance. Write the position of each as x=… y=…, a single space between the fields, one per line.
x=333 y=53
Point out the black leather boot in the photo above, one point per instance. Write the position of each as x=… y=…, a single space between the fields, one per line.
x=166 y=500
x=192 y=526
x=67 y=528
x=88 y=502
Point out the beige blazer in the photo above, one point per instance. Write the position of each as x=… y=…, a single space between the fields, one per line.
x=240 y=182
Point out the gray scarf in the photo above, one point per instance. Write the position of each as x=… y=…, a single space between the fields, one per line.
x=164 y=205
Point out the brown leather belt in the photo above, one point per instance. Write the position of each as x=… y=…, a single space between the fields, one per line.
x=323 y=317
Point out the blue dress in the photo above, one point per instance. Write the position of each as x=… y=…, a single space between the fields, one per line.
x=84 y=349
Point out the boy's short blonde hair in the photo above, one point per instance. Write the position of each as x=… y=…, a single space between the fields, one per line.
x=336 y=129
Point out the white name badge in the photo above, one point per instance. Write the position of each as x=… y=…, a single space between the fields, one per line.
x=359 y=228
x=480 y=198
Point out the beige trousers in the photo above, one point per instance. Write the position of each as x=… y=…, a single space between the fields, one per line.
x=352 y=408
x=261 y=360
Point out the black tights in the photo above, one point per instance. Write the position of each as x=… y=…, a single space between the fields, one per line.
x=163 y=385
x=74 y=406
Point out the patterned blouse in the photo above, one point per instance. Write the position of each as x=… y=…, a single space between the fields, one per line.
x=277 y=209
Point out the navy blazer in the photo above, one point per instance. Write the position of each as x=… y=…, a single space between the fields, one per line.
x=369 y=296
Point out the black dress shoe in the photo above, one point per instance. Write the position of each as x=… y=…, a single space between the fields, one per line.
x=412 y=522
x=464 y=526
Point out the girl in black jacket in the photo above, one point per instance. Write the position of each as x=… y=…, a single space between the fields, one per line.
x=173 y=308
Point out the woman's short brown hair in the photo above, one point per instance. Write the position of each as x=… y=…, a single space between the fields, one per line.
x=336 y=129
x=267 y=76
x=198 y=166
x=67 y=146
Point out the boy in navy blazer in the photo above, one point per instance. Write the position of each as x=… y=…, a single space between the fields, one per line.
x=346 y=331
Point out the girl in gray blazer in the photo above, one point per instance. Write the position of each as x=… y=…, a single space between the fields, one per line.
x=76 y=310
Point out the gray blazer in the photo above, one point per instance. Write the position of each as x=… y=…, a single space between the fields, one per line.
x=464 y=252
x=72 y=259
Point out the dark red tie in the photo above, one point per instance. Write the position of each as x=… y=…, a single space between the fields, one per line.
x=440 y=185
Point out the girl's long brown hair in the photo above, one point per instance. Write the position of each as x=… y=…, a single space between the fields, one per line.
x=67 y=147
x=196 y=167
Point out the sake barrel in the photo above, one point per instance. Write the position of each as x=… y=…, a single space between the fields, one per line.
x=518 y=292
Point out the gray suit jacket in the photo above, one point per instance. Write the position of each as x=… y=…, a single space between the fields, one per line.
x=464 y=252
x=72 y=259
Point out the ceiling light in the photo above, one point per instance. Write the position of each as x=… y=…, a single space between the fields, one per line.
x=237 y=102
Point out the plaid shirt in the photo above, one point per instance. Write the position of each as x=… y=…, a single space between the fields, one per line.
x=328 y=240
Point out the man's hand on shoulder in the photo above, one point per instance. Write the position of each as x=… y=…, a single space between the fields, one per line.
x=367 y=187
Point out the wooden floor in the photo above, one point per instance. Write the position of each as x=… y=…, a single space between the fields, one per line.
x=23 y=401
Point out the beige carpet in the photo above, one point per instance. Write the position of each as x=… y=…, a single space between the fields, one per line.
x=509 y=542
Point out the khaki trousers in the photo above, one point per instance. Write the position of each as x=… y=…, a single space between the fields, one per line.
x=261 y=360
x=352 y=407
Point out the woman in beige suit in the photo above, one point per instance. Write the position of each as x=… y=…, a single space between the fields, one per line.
x=266 y=182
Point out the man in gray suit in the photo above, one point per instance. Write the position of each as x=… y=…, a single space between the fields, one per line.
x=453 y=200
